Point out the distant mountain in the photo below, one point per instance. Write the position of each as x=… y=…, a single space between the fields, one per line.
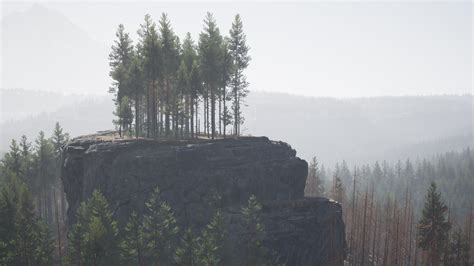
x=28 y=112
x=361 y=130
x=356 y=130
x=42 y=49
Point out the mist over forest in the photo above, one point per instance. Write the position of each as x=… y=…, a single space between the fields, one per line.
x=208 y=134
x=381 y=128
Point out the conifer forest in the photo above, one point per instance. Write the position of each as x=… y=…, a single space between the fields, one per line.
x=186 y=141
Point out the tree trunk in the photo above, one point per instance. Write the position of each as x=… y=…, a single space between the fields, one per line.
x=192 y=116
x=363 y=230
x=213 y=113
x=137 y=117
x=220 y=113
x=58 y=228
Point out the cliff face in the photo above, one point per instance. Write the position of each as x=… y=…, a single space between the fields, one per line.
x=191 y=174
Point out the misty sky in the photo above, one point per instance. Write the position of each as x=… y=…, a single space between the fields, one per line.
x=318 y=49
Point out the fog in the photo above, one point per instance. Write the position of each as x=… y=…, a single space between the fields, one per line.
x=349 y=49
x=54 y=67
x=351 y=139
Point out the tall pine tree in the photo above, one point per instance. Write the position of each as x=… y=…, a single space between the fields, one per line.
x=239 y=53
x=433 y=226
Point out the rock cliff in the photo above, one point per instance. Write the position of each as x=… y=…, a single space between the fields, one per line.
x=192 y=174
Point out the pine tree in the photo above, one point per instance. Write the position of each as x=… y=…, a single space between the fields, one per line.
x=187 y=251
x=9 y=193
x=12 y=159
x=210 y=244
x=170 y=55
x=210 y=54
x=44 y=167
x=93 y=238
x=255 y=232
x=239 y=53
x=77 y=240
x=32 y=242
x=26 y=161
x=44 y=245
x=124 y=114
x=196 y=90
x=59 y=139
x=100 y=231
x=189 y=57
x=120 y=59
x=150 y=49
x=225 y=72
x=132 y=245
x=160 y=230
x=433 y=227
x=136 y=85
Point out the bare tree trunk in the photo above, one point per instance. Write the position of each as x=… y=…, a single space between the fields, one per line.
x=363 y=229
x=387 y=235
x=351 y=241
x=416 y=250
x=220 y=113
x=374 y=243
x=58 y=228
x=410 y=231
x=225 y=111
x=167 y=108
x=396 y=241
x=191 y=106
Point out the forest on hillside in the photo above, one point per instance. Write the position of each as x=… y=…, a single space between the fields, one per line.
x=384 y=206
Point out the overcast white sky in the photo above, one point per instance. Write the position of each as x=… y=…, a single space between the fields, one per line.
x=344 y=49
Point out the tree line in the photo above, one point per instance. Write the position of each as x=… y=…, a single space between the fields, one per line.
x=160 y=82
x=32 y=201
x=154 y=238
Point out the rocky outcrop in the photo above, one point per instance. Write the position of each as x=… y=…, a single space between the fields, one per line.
x=192 y=174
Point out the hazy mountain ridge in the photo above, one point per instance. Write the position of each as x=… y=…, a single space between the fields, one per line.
x=361 y=129
x=380 y=128
x=42 y=49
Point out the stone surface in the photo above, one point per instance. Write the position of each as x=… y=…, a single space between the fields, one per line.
x=195 y=175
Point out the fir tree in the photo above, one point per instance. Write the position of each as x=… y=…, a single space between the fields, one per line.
x=59 y=139
x=210 y=54
x=150 y=50
x=433 y=226
x=132 y=245
x=28 y=241
x=77 y=239
x=211 y=242
x=9 y=192
x=120 y=59
x=12 y=159
x=160 y=230
x=26 y=161
x=93 y=238
x=187 y=252
x=240 y=59
x=256 y=253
